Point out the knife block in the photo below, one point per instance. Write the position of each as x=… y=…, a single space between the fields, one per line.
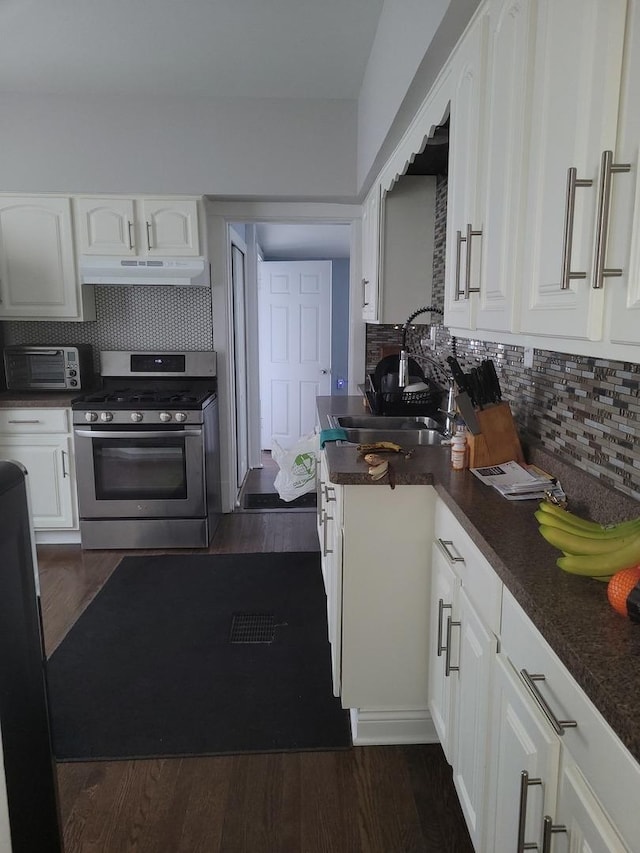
x=498 y=439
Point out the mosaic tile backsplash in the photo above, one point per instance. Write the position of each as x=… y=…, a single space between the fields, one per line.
x=131 y=318
x=586 y=411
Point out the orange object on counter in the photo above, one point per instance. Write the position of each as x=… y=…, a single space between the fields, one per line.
x=623 y=592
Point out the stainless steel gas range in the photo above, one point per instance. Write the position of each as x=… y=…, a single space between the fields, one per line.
x=147 y=452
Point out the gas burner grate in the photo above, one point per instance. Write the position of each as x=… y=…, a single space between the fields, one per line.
x=252 y=628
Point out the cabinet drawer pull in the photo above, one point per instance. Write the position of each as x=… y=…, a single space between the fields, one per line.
x=558 y=725
x=607 y=169
x=525 y=782
x=453 y=558
x=65 y=472
x=548 y=829
x=441 y=608
x=467 y=278
x=35 y=421
x=448 y=669
x=130 y=229
x=567 y=238
x=149 y=236
x=459 y=241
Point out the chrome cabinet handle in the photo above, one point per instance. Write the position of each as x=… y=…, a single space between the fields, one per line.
x=607 y=169
x=35 y=421
x=328 y=489
x=567 y=238
x=325 y=549
x=448 y=668
x=65 y=473
x=453 y=558
x=558 y=725
x=525 y=782
x=548 y=829
x=130 y=230
x=459 y=241
x=365 y=282
x=467 y=278
x=441 y=608
x=149 y=236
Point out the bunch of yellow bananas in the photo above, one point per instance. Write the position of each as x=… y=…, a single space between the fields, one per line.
x=589 y=549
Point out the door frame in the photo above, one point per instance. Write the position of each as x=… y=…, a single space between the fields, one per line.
x=220 y=216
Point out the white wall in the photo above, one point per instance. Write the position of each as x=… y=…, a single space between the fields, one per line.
x=241 y=147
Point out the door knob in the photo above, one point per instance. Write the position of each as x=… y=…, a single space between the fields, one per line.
x=324 y=372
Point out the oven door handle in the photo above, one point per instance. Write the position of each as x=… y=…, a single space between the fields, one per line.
x=88 y=433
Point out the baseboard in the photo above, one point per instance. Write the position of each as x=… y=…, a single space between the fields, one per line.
x=373 y=726
x=57 y=537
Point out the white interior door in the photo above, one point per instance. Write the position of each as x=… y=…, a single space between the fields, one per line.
x=294 y=313
x=238 y=270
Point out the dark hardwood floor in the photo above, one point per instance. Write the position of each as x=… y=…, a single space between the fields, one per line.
x=395 y=799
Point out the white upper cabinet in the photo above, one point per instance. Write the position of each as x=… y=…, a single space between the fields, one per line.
x=370 y=255
x=38 y=279
x=623 y=251
x=463 y=234
x=150 y=226
x=574 y=110
x=510 y=51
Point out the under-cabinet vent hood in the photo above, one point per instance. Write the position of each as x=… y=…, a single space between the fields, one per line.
x=179 y=272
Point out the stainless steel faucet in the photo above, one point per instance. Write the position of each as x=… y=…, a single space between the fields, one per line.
x=403 y=367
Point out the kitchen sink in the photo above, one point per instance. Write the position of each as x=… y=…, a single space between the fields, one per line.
x=403 y=429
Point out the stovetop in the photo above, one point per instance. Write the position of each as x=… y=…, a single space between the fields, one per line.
x=142 y=398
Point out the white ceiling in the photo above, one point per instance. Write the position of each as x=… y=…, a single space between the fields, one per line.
x=281 y=241
x=210 y=48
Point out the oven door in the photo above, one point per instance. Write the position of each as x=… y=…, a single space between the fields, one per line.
x=140 y=472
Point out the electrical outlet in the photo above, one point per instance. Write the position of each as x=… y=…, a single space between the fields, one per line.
x=528 y=357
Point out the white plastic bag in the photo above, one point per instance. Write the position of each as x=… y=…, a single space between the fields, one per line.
x=297 y=474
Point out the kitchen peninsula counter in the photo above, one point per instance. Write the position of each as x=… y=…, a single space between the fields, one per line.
x=600 y=648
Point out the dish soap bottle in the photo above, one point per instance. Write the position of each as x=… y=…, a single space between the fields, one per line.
x=459 y=449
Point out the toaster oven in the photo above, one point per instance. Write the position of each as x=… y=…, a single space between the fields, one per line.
x=47 y=368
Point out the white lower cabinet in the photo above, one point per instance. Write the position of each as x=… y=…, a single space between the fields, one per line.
x=465 y=613
x=560 y=779
x=41 y=440
x=330 y=535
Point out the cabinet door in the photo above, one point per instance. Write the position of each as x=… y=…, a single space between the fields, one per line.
x=106 y=226
x=370 y=254
x=503 y=158
x=37 y=265
x=623 y=252
x=522 y=742
x=48 y=461
x=581 y=824
x=574 y=107
x=170 y=226
x=442 y=652
x=463 y=244
x=471 y=749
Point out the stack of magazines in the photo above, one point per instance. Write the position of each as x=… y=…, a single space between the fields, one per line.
x=518 y=482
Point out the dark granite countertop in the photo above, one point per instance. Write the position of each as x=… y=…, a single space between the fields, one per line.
x=37 y=399
x=599 y=648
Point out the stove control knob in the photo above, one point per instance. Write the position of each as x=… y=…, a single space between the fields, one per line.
x=106 y=416
x=136 y=417
x=90 y=416
x=165 y=416
x=181 y=417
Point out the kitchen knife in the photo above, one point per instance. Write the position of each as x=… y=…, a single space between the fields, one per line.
x=474 y=387
x=458 y=374
x=494 y=382
x=465 y=407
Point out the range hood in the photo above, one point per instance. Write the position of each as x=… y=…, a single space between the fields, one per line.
x=179 y=272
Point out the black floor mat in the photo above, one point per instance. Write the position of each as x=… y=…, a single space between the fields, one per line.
x=271 y=500
x=150 y=668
